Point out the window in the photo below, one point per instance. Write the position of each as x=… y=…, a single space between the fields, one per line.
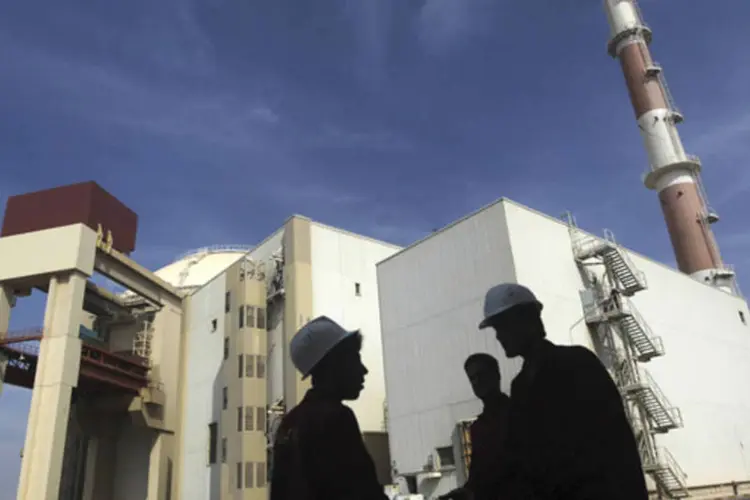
x=239 y=418
x=249 y=466
x=261 y=368
x=261 y=319
x=357 y=289
x=445 y=453
x=242 y=317
x=226 y=347
x=249 y=366
x=239 y=475
x=212 y=435
x=248 y=418
x=242 y=275
x=223 y=450
x=742 y=317
x=228 y=302
x=260 y=475
x=250 y=321
x=239 y=366
x=261 y=423
x=214 y=325
x=224 y=398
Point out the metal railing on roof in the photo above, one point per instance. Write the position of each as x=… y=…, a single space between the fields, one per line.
x=216 y=249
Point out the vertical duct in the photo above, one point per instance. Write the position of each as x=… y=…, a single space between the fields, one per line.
x=674 y=174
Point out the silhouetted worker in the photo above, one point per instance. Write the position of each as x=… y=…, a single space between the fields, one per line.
x=319 y=453
x=488 y=431
x=569 y=436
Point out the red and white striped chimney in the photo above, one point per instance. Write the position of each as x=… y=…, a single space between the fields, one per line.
x=674 y=174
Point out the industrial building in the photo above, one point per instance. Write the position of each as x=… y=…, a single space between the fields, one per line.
x=675 y=343
x=688 y=345
x=172 y=388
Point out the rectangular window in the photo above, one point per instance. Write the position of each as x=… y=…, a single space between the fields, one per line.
x=249 y=469
x=242 y=275
x=226 y=347
x=242 y=316
x=239 y=475
x=212 y=437
x=239 y=419
x=214 y=325
x=261 y=320
x=260 y=370
x=260 y=475
x=240 y=371
x=261 y=413
x=357 y=290
x=228 y=302
x=250 y=320
x=249 y=366
x=224 y=398
x=223 y=450
x=248 y=418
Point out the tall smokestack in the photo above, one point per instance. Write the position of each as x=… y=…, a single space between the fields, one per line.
x=672 y=173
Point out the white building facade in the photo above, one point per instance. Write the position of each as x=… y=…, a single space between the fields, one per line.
x=692 y=339
x=244 y=306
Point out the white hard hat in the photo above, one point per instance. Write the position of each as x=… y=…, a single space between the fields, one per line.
x=502 y=297
x=313 y=341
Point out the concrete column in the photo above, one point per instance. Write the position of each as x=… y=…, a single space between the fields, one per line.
x=6 y=301
x=56 y=376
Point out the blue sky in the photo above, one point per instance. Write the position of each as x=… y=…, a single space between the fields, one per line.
x=217 y=119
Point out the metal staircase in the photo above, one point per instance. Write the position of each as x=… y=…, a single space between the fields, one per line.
x=630 y=279
x=626 y=338
x=621 y=312
x=639 y=387
x=667 y=472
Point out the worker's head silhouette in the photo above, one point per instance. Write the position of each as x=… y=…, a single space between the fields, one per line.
x=331 y=355
x=514 y=312
x=483 y=371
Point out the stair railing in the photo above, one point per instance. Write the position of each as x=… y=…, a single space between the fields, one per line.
x=673 y=412
x=640 y=276
x=671 y=462
x=629 y=308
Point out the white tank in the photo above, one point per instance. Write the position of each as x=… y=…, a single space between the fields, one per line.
x=196 y=268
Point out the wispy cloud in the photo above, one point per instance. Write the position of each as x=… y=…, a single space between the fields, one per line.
x=336 y=137
x=444 y=25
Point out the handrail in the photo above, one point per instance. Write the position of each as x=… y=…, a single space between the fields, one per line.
x=628 y=373
x=707 y=209
x=638 y=12
x=673 y=465
x=629 y=308
x=649 y=380
x=639 y=275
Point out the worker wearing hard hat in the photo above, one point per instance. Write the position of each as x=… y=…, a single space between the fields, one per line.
x=487 y=432
x=569 y=436
x=319 y=452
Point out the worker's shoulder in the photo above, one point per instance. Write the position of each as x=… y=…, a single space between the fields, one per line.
x=578 y=356
x=326 y=411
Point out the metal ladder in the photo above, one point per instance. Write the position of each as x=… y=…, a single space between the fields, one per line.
x=142 y=342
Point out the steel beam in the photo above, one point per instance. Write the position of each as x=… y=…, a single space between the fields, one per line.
x=135 y=277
